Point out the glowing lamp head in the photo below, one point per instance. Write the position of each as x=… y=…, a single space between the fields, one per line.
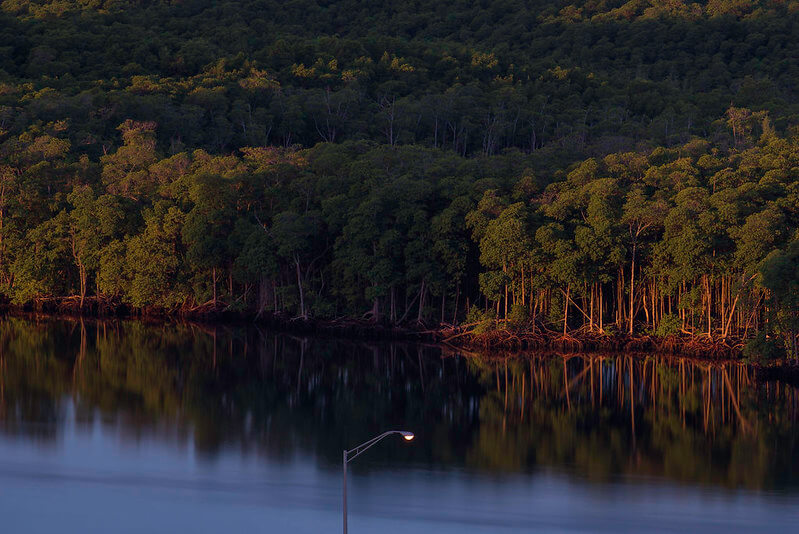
x=407 y=436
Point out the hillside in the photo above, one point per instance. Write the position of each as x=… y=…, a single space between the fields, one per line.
x=475 y=77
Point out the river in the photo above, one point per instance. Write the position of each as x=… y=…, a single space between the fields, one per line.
x=130 y=427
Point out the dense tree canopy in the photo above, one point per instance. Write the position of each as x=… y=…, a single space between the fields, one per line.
x=474 y=77
x=606 y=165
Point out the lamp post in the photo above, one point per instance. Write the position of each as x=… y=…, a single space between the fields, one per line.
x=351 y=454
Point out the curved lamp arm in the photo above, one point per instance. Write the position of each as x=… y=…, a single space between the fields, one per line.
x=363 y=447
x=357 y=451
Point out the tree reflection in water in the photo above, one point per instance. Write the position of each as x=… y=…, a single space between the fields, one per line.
x=595 y=416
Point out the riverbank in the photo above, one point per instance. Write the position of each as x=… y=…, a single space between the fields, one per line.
x=343 y=327
x=502 y=339
x=466 y=337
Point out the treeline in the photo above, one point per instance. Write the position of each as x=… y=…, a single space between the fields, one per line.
x=611 y=166
x=693 y=239
x=572 y=79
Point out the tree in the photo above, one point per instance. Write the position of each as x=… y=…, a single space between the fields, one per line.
x=640 y=214
x=83 y=234
x=207 y=226
x=780 y=275
x=154 y=260
x=294 y=236
x=126 y=171
x=504 y=245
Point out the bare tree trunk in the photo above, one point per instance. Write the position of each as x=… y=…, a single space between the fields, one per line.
x=709 y=307
x=393 y=310
x=213 y=280
x=299 y=284
x=601 y=329
x=632 y=289
x=421 y=303
x=263 y=296
x=82 y=273
x=457 y=297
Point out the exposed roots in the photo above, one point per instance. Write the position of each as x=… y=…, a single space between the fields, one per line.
x=701 y=347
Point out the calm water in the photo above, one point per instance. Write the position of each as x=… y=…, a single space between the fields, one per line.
x=123 y=427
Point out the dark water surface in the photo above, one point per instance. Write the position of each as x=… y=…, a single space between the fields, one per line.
x=124 y=427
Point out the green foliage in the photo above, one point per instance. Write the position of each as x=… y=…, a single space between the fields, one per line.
x=762 y=349
x=37 y=273
x=519 y=317
x=483 y=320
x=569 y=77
x=780 y=274
x=492 y=284
x=669 y=325
x=153 y=261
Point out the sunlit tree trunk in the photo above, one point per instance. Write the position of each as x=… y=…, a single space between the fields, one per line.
x=457 y=297
x=505 y=270
x=299 y=285
x=213 y=281
x=601 y=326
x=708 y=297
x=632 y=288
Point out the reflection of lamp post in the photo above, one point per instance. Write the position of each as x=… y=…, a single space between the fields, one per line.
x=360 y=449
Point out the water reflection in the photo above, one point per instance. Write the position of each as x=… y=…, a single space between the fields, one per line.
x=604 y=416
x=275 y=396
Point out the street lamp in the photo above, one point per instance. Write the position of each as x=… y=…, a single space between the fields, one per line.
x=360 y=449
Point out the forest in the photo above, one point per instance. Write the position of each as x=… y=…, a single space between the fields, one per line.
x=601 y=166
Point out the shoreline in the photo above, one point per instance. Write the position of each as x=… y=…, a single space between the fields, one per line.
x=498 y=339
x=696 y=346
x=457 y=336
x=460 y=338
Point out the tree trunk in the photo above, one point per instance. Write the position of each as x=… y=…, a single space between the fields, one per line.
x=708 y=303
x=213 y=281
x=2 y=219
x=263 y=295
x=393 y=309
x=505 y=270
x=457 y=296
x=601 y=328
x=632 y=289
x=299 y=285
x=421 y=303
x=82 y=273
